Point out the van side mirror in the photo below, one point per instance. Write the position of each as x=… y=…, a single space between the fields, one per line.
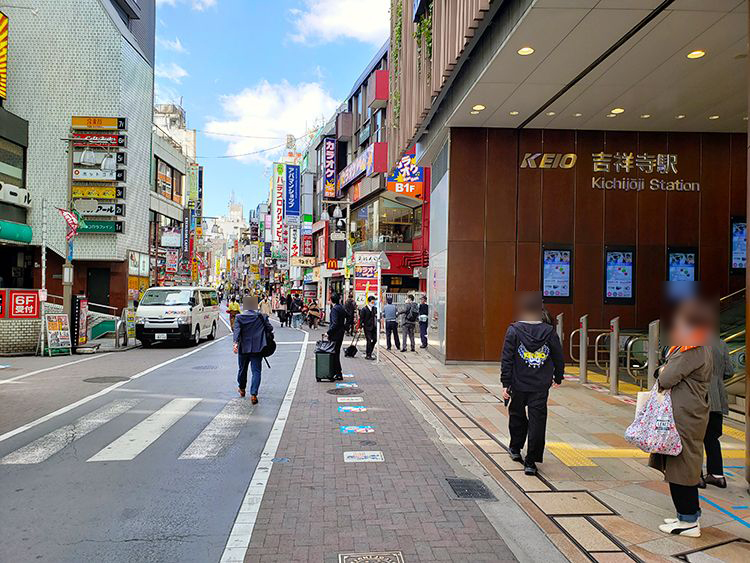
x=191 y=302
x=135 y=303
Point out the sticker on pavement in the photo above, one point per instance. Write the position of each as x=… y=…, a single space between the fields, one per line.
x=349 y=399
x=345 y=385
x=363 y=457
x=357 y=429
x=353 y=408
x=348 y=375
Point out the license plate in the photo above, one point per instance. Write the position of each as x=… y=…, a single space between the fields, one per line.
x=161 y=337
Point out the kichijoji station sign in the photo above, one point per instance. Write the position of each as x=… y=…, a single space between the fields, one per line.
x=662 y=164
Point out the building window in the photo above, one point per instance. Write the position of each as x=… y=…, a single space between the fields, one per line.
x=396 y=225
x=11 y=163
x=363 y=232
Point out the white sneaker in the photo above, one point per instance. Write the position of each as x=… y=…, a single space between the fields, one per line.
x=670 y=520
x=678 y=528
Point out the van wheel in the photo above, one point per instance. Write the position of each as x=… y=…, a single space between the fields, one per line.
x=197 y=336
x=212 y=336
x=146 y=343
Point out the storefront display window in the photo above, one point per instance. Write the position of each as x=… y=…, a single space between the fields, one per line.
x=396 y=228
x=363 y=231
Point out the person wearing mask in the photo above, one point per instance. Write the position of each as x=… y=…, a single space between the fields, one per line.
x=718 y=407
x=313 y=314
x=368 y=319
x=411 y=316
x=350 y=307
x=390 y=316
x=687 y=374
x=532 y=362
x=336 y=334
x=424 y=312
x=264 y=306
x=233 y=309
x=251 y=332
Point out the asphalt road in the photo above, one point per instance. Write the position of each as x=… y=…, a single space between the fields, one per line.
x=153 y=470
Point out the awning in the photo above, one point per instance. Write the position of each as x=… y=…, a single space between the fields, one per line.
x=17 y=232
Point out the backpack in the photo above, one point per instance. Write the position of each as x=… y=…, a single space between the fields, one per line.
x=412 y=314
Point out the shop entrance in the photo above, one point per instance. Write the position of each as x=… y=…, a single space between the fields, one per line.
x=97 y=285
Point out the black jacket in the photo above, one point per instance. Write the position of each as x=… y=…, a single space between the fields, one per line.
x=251 y=330
x=532 y=357
x=336 y=327
x=368 y=319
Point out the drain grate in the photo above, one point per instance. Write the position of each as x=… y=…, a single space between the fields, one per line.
x=470 y=488
x=204 y=368
x=106 y=379
x=379 y=557
x=345 y=391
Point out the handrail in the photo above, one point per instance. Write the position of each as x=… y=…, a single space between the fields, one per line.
x=570 y=346
x=736 y=378
x=731 y=295
x=629 y=357
x=738 y=349
x=735 y=335
x=596 y=351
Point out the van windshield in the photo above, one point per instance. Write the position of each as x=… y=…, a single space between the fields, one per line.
x=167 y=297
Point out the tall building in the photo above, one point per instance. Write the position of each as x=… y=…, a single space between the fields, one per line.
x=172 y=120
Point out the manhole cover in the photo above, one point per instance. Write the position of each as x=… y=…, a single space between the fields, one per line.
x=345 y=391
x=204 y=368
x=280 y=460
x=381 y=557
x=470 y=488
x=368 y=443
x=106 y=379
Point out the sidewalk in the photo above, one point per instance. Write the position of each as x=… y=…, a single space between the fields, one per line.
x=594 y=487
x=318 y=506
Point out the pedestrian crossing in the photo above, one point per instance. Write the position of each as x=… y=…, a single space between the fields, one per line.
x=216 y=437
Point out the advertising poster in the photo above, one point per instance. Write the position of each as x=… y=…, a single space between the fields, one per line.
x=171 y=261
x=556 y=274
x=681 y=266
x=408 y=178
x=291 y=199
x=171 y=238
x=739 y=244
x=143 y=265
x=83 y=321
x=366 y=277
x=130 y=320
x=329 y=167
x=58 y=335
x=619 y=275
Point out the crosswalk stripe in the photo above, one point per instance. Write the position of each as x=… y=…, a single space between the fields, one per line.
x=145 y=433
x=221 y=431
x=49 y=444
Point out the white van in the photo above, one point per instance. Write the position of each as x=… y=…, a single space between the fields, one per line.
x=186 y=314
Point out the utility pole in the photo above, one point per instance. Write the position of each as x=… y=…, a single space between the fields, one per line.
x=67 y=280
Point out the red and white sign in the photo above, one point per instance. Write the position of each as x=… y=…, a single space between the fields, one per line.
x=307 y=245
x=172 y=261
x=98 y=140
x=23 y=304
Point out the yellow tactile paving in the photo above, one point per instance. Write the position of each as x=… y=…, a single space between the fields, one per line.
x=569 y=455
x=583 y=457
x=734 y=433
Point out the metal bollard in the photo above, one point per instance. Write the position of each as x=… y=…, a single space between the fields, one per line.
x=584 y=349
x=614 y=356
x=560 y=331
x=653 y=351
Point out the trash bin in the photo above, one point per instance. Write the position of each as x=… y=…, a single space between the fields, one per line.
x=323 y=365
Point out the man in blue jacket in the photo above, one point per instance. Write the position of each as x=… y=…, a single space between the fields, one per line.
x=336 y=334
x=251 y=330
x=532 y=362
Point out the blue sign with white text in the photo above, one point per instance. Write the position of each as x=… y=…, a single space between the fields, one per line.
x=291 y=198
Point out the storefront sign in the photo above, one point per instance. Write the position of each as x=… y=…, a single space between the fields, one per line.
x=329 y=167
x=185 y=233
x=294 y=243
x=23 y=304
x=548 y=160
x=133 y=263
x=172 y=259
x=3 y=56
x=303 y=262
x=407 y=179
x=98 y=175
x=170 y=238
x=81 y=321
x=111 y=123
x=58 y=335
x=101 y=227
x=104 y=140
x=372 y=160
x=332 y=264
x=84 y=207
x=98 y=192
x=192 y=177
x=307 y=245
x=279 y=180
x=291 y=201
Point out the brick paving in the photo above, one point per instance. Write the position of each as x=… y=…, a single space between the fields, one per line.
x=316 y=506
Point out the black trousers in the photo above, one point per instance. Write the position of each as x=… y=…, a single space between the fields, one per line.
x=336 y=360
x=423 y=333
x=685 y=501
x=534 y=426
x=714 y=461
x=391 y=327
x=371 y=337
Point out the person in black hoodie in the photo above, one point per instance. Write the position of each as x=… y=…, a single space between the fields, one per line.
x=532 y=362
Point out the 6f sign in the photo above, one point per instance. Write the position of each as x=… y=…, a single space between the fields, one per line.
x=548 y=160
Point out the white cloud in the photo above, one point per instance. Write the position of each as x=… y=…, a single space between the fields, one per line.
x=173 y=45
x=323 y=21
x=164 y=94
x=269 y=110
x=171 y=71
x=198 y=5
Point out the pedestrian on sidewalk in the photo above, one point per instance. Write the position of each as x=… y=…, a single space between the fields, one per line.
x=336 y=334
x=233 y=309
x=297 y=311
x=368 y=318
x=532 y=362
x=264 y=306
x=350 y=307
x=251 y=333
x=411 y=316
x=718 y=407
x=687 y=373
x=288 y=301
x=390 y=316
x=424 y=316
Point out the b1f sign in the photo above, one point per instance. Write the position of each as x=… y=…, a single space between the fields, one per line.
x=291 y=201
x=407 y=179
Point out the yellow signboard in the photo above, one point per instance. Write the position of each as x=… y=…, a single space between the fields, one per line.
x=96 y=192
x=3 y=56
x=88 y=122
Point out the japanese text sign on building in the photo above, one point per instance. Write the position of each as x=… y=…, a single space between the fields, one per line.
x=408 y=178
x=629 y=162
x=23 y=304
x=329 y=166
x=291 y=200
x=279 y=180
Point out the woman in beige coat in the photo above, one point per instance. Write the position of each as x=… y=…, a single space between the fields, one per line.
x=687 y=374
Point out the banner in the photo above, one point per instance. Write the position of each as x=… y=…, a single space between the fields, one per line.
x=171 y=261
x=277 y=202
x=291 y=200
x=329 y=167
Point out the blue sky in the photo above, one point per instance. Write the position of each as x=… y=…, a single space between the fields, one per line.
x=260 y=68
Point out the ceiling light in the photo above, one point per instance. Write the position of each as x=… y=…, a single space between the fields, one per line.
x=514 y=112
x=697 y=54
x=745 y=118
x=611 y=115
x=550 y=113
x=681 y=116
x=645 y=115
x=474 y=112
x=617 y=111
x=523 y=51
x=713 y=117
x=577 y=114
x=479 y=107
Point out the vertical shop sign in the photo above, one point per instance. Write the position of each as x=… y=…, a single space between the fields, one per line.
x=171 y=262
x=329 y=167
x=192 y=185
x=278 y=200
x=294 y=241
x=185 y=233
x=291 y=201
x=3 y=56
x=307 y=245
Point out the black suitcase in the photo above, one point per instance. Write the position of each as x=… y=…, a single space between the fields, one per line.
x=351 y=350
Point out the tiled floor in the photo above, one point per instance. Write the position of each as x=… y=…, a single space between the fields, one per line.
x=595 y=486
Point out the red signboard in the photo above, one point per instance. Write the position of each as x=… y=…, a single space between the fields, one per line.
x=307 y=245
x=23 y=304
x=98 y=140
x=3 y=303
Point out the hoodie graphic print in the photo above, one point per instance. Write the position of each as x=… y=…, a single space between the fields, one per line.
x=532 y=357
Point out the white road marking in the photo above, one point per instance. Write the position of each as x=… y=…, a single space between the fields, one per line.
x=112 y=387
x=49 y=444
x=43 y=370
x=226 y=322
x=242 y=530
x=221 y=431
x=145 y=433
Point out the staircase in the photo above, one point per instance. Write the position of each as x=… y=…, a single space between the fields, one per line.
x=732 y=330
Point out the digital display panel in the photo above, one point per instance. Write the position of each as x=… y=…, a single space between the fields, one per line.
x=681 y=264
x=619 y=275
x=739 y=244
x=556 y=273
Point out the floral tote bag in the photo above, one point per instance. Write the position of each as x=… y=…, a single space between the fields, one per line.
x=653 y=429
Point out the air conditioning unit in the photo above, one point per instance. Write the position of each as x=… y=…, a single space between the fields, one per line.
x=15 y=195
